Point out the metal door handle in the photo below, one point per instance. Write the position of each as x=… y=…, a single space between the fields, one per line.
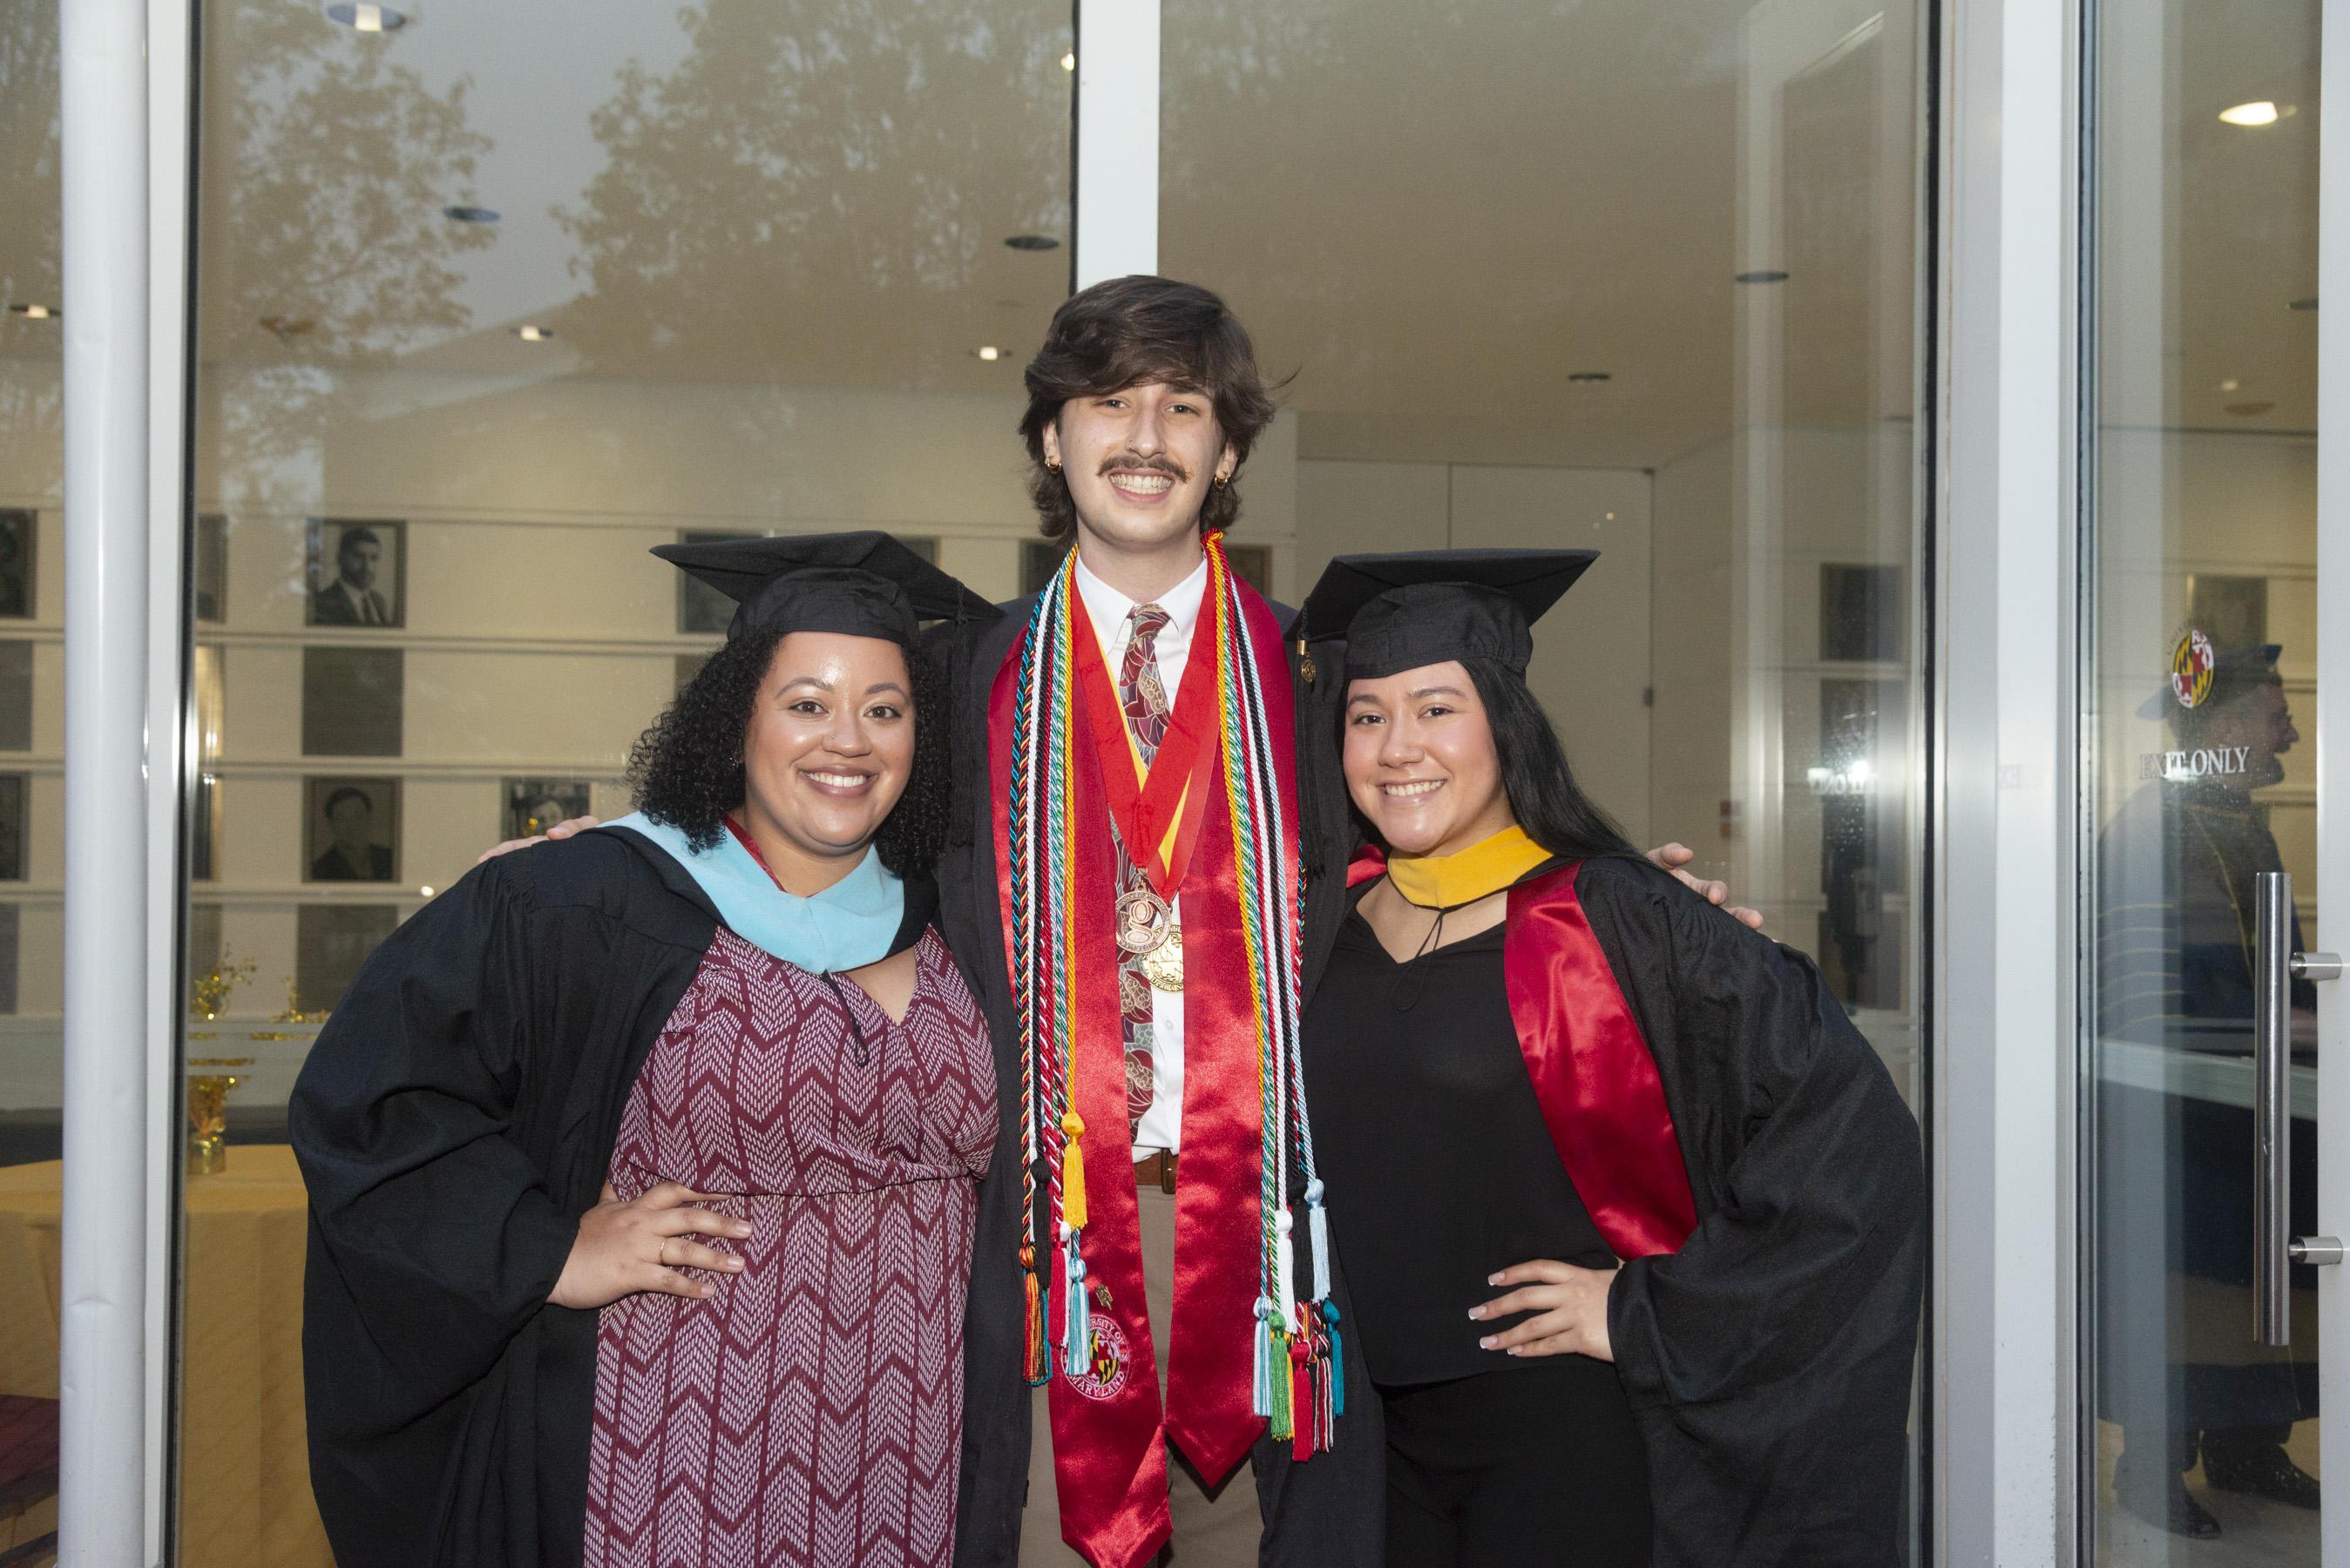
x=2275 y=966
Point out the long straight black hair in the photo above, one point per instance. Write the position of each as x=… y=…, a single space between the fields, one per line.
x=1547 y=802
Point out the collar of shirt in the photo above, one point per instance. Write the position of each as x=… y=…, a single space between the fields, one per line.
x=1108 y=609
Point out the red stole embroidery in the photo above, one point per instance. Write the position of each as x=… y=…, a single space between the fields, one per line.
x=1107 y=1461
x=1593 y=1074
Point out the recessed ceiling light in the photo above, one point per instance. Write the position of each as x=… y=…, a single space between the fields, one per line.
x=1069 y=61
x=1590 y=376
x=2246 y=410
x=988 y=351
x=34 y=312
x=1034 y=242
x=2261 y=113
x=530 y=333
x=464 y=215
x=1767 y=275
x=2308 y=304
x=2231 y=384
x=368 y=19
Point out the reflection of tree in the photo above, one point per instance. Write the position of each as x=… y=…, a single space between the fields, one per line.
x=30 y=393
x=327 y=205
x=809 y=166
x=321 y=209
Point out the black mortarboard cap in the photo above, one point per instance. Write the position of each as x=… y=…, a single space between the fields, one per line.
x=2234 y=671
x=864 y=585
x=1425 y=607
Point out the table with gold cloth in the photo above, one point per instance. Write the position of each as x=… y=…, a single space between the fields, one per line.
x=244 y=1472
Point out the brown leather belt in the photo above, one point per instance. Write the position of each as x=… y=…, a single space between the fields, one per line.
x=1159 y=1170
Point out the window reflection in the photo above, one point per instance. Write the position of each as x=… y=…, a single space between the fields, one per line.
x=741 y=259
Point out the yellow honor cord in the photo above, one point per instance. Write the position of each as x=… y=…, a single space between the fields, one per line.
x=1072 y=1172
x=1448 y=881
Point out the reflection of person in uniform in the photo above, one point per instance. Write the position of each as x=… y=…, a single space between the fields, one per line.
x=352 y=599
x=354 y=855
x=2179 y=1369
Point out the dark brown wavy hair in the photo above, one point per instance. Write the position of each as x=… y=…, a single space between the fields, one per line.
x=1129 y=330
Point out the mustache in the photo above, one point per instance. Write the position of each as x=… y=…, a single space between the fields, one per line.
x=1165 y=465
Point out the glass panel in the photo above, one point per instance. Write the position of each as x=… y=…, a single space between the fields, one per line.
x=2203 y=616
x=32 y=775
x=491 y=302
x=1622 y=276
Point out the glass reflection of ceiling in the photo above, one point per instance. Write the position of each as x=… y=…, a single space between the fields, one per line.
x=29 y=210
x=740 y=190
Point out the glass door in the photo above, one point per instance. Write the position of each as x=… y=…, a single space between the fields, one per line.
x=2205 y=604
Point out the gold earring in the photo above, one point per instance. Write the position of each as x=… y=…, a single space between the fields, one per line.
x=1223 y=481
x=1051 y=467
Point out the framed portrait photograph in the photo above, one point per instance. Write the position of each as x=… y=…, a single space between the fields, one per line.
x=20 y=527
x=358 y=572
x=209 y=573
x=330 y=942
x=16 y=696
x=533 y=805
x=351 y=829
x=352 y=701
x=700 y=609
x=15 y=792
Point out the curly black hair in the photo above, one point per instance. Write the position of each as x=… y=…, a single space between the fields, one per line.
x=687 y=768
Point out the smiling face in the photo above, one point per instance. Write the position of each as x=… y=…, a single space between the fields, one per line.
x=1420 y=763
x=828 y=753
x=1139 y=462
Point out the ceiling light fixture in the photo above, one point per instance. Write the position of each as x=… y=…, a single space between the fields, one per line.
x=1069 y=61
x=988 y=352
x=1034 y=242
x=368 y=19
x=1589 y=377
x=34 y=312
x=2260 y=112
x=1766 y=275
x=530 y=333
x=2230 y=385
x=464 y=215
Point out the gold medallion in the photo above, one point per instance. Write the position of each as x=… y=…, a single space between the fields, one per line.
x=1163 y=965
x=1144 y=919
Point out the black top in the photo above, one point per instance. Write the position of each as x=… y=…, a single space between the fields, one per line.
x=1440 y=1167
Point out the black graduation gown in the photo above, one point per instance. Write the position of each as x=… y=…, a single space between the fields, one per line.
x=1329 y=1510
x=453 y=1121
x=1768 y=1360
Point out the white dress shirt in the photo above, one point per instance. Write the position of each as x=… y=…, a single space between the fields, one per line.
x=1161 y=1126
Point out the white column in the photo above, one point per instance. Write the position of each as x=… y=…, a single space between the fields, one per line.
x=1118 y=139
x=2007 y=1053
x=103 y=1289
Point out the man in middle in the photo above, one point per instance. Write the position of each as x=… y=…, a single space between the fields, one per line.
x=1129 y=879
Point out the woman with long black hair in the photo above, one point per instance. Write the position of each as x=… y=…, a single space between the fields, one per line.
x=1632 y=1212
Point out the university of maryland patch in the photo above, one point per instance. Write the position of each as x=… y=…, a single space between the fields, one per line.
x=1103 y=1377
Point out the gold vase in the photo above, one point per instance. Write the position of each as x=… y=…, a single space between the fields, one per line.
x=208 y=1112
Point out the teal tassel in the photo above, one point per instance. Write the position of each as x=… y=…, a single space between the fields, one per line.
x=1261 y=1390
x=1077 y=1349
x=1337 y=1360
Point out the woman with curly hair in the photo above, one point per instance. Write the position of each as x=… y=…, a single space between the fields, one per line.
x=643 y=1168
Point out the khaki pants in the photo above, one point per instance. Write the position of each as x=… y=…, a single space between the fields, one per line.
x=1213 y=1529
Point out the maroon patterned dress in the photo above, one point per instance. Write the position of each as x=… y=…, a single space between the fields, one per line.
x=811 y=1412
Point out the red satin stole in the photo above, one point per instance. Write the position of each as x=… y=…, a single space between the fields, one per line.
x=1593 y=1074
x=1107 y=1461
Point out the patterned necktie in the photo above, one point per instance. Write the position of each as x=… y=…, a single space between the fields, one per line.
x=1143 y=696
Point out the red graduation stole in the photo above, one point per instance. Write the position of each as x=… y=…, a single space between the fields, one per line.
x=1108 y=1458
x=1593 y=1074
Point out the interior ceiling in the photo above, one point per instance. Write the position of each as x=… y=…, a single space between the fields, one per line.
x=1432 y=216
